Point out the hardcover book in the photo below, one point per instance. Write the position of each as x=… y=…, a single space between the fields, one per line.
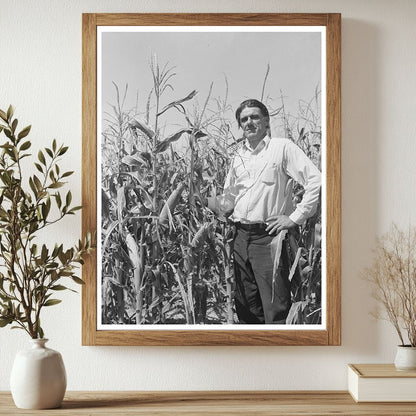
x=381 y=383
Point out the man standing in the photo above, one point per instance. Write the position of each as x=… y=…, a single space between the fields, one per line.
x=258 y=192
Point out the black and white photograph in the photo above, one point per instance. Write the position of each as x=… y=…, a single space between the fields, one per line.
x=211 y=181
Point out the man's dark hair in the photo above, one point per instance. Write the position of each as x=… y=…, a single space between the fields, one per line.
x=251 y=103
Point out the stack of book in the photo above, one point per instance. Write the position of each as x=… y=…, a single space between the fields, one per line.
x=381 y=383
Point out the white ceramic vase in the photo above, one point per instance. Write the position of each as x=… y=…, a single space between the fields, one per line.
x=405 y=358
x=38 y=378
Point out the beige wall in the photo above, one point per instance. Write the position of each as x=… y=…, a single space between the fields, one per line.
x=40 y=73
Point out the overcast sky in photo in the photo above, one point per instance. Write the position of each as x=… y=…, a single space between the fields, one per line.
x=202 y=58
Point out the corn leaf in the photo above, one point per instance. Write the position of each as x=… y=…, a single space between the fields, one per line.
x=175 y=103
x=143 y=127
x=164 y=145
x=134 y=160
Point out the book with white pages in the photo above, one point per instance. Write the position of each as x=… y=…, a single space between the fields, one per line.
x=381 y=383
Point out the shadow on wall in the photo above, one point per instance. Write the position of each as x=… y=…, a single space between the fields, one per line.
x=360 y=180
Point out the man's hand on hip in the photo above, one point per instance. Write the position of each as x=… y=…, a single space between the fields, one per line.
x=279 y=223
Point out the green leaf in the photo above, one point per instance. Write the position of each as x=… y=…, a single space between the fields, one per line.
x=33 y=187
x=44 y=253
x=51 y=302
x=25 y=145
x=10 y=112
x=62 y=257
x=57 y=250
x=59 y=287
x=58 y=199
x=3 y=115
x=45 y=211
x=24 y=133
x=77 y=208
x=14 y=125
x=54 y=145
x=34 y=249
x=33 y=227
x=78 y=280
x=5 y=321
x=63 y=150
x=67 y=174
x=39 y=167
x=40 y=332
x=37 y=183
x=68 y=199
x=56 y=185
x=8 y=133
x=5 y=145
x=41 y=157
x=49 y=152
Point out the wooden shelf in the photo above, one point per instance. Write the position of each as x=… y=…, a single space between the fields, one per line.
x=178 y=403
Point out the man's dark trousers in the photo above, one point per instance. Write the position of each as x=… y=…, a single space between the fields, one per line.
x=255 y=300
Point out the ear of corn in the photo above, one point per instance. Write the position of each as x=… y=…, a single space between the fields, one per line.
x=170 y=204
x=121 y=202
x=170 y=257
x=133 y=250
x=200 y=237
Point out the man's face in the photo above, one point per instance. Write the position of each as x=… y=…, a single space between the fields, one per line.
x=254 y=124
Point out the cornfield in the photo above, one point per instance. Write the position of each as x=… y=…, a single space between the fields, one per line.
x=166 y=258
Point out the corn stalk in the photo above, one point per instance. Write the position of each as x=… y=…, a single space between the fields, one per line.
x=174 y=257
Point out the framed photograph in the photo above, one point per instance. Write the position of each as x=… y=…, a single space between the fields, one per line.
x=211 y=172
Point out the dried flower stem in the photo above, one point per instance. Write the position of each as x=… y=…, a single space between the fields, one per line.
x=393 y=276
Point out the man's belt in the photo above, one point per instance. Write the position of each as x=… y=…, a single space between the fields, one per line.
x=255 y=226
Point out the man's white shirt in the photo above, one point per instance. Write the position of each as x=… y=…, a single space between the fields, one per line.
x=259 y=183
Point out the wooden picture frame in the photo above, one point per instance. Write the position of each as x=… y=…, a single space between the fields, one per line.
x=330 y=334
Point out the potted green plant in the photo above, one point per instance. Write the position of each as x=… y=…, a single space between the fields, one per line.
x=393 y=277
x=31 y=272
